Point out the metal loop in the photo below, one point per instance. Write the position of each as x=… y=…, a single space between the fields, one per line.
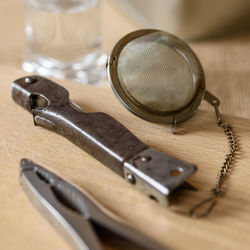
x=194 y=214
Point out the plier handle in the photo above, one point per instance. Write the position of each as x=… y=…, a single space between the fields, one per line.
x=75 y=213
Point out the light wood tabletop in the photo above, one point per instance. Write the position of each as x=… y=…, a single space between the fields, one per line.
x=199 y=140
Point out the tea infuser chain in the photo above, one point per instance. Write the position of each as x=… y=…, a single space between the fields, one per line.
x=176 y=94
x=218 y=191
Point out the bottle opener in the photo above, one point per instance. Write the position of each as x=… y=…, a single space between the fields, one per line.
x=154 y=173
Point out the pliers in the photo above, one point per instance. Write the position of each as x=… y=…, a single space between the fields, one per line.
x=80 y=219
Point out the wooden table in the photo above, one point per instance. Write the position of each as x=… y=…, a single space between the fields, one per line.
x=226 y=62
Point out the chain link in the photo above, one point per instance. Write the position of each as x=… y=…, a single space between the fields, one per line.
x=218 y=191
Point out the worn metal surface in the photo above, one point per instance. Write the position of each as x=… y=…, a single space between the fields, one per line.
x=101 y=136
x=148 y=112
x=148 y=169
x=73 y=212
x=97 y=133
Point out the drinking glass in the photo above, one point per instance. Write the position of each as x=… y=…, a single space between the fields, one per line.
x=63 y=40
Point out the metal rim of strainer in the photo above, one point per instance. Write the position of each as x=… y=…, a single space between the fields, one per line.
x=165 y=117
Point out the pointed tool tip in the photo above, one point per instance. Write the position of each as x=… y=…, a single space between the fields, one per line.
x=25 y=164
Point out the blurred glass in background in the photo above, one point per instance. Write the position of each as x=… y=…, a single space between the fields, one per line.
x=64 y=40
x=190 y=19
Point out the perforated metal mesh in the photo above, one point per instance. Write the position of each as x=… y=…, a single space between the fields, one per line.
x=155 y=74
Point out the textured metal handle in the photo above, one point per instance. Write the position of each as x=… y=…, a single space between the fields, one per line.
x=98 y=134
x=103 y=137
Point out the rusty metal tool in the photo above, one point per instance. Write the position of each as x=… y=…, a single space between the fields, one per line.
x=76 y=215
x=154 y=173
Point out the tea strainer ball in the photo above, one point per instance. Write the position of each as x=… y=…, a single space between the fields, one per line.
x=158 y=77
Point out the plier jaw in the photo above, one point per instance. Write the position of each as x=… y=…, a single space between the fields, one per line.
x=76 y=215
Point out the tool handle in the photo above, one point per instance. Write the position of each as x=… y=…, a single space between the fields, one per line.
x=102 y=137
x=98 y=134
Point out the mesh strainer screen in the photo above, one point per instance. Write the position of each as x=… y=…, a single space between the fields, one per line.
x=155 y=74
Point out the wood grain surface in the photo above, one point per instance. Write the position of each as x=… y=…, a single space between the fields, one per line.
x=199 y=141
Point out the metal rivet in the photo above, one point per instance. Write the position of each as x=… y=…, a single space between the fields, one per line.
x=131 y=178
x=30 y=80
x=145 y=158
